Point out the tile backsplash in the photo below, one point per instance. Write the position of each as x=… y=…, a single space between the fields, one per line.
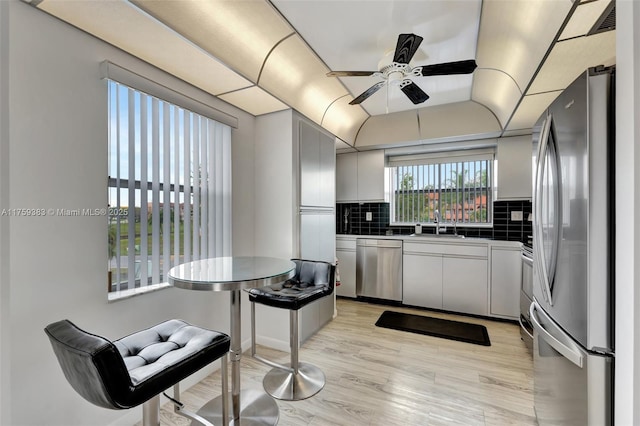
x=351 y=218
x=511 y=230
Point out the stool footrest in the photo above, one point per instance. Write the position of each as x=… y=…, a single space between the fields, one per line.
x=271 y=363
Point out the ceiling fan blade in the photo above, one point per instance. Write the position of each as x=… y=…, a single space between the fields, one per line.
x=370 y=91
x=350 y=73
x=414 y=93
x=447 y=68
x=406 y=47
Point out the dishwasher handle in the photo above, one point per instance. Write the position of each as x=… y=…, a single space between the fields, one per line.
x=368 y=242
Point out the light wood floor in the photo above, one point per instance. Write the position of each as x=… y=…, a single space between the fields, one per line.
x=377 y=376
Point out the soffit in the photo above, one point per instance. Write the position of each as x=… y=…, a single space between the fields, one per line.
x=122 y=25
x=571 y=55
x=240 y=33
x=270 y=66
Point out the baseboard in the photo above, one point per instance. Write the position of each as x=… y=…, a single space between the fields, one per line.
x=273 y=343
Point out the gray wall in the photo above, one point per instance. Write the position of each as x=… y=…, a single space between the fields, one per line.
x=54 y=111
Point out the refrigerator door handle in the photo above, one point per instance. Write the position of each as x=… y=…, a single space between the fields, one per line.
x=567 y=348
x=537 y=217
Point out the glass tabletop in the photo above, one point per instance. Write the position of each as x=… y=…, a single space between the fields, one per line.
x=231 y=273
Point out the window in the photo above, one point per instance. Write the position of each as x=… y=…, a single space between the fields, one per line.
x=457 y=184
x=169 y=188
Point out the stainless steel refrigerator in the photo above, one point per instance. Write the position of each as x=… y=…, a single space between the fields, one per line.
x=572 y=310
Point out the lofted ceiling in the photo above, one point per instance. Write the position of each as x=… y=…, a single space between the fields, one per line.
x=266 y=56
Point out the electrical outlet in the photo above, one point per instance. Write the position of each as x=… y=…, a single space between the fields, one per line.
x=516 y=216
x=369 y=217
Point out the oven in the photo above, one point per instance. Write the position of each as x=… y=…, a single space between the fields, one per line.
x=526 y=296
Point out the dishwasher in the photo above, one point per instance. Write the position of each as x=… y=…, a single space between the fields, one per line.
x=379 y=269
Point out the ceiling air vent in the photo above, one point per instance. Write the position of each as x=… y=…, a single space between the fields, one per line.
x=606 y=22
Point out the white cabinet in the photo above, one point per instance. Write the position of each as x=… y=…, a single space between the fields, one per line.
x=422 y=280
x=346 y=254
x=506 y=277
x=371 y=175
x=317 y=165
x=294 y=189
x=360 y=176
x=464 y=285
x=449 y=276
x=514 y=168
x=316 y=239
x=347 y=177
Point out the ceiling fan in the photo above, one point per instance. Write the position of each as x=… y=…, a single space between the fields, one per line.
x=397 y=73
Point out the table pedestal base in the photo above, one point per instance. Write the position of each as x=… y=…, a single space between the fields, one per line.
x=256 y=408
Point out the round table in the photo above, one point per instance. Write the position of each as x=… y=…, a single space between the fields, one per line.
x=251 y=406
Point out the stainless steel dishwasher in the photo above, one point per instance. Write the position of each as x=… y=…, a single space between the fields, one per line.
x=379 y=269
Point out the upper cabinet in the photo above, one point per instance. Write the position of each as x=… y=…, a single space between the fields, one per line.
x=347 y=177
x=514 y=168
x=317 y=165
x=360 y=176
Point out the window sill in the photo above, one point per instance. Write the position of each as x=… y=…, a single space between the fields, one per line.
x=115 y=296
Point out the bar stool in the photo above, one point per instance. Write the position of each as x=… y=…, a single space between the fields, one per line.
x=312 y=281
x=135 y=369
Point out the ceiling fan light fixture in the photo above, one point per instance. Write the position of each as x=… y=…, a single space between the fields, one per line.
x=395 y=78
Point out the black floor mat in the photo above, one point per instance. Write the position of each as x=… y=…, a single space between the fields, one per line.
x=454 y=330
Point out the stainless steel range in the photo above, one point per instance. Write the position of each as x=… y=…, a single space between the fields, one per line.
x=526 y=296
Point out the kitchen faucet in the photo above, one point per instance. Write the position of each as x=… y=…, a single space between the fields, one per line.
x=436 y=218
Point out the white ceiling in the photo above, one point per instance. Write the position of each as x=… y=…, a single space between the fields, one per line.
x=266 y=56
x=357 y=35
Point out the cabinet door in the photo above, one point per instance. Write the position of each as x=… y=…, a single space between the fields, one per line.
x=309 y=165
x=422 y=280
x=317 y=236
x=464 y=285
x=347 y=267
x=506 y=280
x=309 y=321
x=514 y=168
x=347 y=177
x=327 y=175
x=371 y=175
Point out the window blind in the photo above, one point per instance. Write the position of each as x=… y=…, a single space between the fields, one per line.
x=169 y=187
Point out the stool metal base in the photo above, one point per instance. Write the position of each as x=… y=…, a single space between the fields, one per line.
x=285 y=385
x=256 y=409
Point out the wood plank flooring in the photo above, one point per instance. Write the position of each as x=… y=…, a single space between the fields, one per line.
x=377 y=376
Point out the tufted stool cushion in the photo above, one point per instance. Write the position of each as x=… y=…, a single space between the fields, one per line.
x=313 y=280
x=129 y=371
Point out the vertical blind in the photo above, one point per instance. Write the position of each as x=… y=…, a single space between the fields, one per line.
x=169 y=187
x=459 y=187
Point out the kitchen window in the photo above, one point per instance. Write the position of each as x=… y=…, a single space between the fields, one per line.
x=457 y=185
x=169 y=188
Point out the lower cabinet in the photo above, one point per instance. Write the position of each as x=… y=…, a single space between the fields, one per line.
x=347 y=269
x=506 y=280
x=422 y=280
x=464 y=285
x=453 y=277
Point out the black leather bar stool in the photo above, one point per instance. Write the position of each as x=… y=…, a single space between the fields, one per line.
x=313 y=280
x=135 y=369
